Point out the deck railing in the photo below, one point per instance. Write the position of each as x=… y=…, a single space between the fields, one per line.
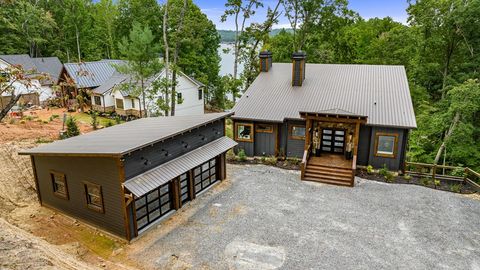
x=354 y=168
x=303 y=167
x=463 y=175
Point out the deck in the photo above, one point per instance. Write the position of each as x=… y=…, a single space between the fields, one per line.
x=331 y=160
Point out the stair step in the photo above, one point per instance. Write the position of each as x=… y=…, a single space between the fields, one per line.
x=328 y=177
x=328 y=181
x=329 y=172
x=328 y=167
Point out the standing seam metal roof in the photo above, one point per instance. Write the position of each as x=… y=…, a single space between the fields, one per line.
x=377 y=91
x=124 y=138
x=145 y=182
x=92 y=74
x=49 y=65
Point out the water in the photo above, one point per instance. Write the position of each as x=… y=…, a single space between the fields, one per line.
x=226 y=64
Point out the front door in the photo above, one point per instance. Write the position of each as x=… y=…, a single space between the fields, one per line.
x=333 y=141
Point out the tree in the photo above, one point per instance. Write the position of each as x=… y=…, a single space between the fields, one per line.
x=167 y=56
x=141 y=53
x=72 y=127
x=15 y=81
x=104 y=15
x=241 y=11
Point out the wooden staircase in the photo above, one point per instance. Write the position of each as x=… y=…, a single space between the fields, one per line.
x=329 y=175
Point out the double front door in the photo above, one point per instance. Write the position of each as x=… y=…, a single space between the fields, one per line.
x=333 y=140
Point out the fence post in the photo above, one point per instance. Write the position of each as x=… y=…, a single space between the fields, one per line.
x=434 y=171
x=465 y=175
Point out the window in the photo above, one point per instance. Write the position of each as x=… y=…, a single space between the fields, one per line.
x=119 y=103
x=244 y=132
x=386 y=144
x=179 y=98
x=97 y=100
x=204 y=175
x=153 y=205
x=297 y=132
x=266 y=128
x=200 y=94
x=59 y=184
x=93 y=196
x=133 y=103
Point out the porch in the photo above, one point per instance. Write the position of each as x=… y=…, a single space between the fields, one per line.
x=331 y=146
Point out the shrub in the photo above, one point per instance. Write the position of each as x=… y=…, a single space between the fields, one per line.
x=389 y=176
x=425 y=181
x=118 y=120
x=12 y=121
x=53 y=117
x=436 y=182
x=271 y=160
x=72 y=127
x=241 y=156
x=369 y=169
x=94 y=122
x=407 y=177
x=294 y=161
x=455 y=188
x=458 y=172
x=22 y=122
x=109 y=124
x=43 y=140
x=45 y=122
x=39 y=121
x=263 y=159
x=28 y=118
x=383 y=171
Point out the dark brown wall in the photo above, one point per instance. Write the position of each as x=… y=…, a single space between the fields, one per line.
x=102 y=171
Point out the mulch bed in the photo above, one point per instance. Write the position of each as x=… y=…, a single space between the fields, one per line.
x=445 y=185
x=283 y=164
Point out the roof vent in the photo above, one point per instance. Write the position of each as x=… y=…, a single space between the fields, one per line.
x=265 y=61
x=298 y=70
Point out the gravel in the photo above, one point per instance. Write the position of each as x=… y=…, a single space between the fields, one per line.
x=266 y=218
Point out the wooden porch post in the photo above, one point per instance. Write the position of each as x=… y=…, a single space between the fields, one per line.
x=355 y=138
x=308 y=135
x=176 y=193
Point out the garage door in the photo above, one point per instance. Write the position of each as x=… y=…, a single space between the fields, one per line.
x=205 y=175
x=153 y=205
x=184 y=194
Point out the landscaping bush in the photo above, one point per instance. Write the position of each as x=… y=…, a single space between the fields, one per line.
x=28 y=118
x=94 y=121
x=407 y=178
x=12 y=121
x=53 y=117
x=294 y=161
x=109 y=124
x=389 y=176
x=455 y=188
x=458 y=172
x=72 y=127
x=22 y=122
x=369 y=169
x=118 y=120
x=271 y=160
x=383 y=171
x=263 y=159
x=241 y=156
x=436 y=182
x=425 y=181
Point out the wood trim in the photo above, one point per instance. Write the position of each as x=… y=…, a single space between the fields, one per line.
x=337 y=119
x=126 y=221
x=270 y=130
x=89 y=206
x=395 y=145
x=52 y=174
x=191 y=185
x=35 y=177
x=290 y=129
x=176 y=193
x=308 y=136
x=277 y=140
x=356 y=138
x=235 y=130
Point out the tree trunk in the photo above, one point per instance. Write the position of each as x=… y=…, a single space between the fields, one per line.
x=78 y=43
x=455 y=121
x=165 y=41
x=175 y=59
x=144 y=104
x=9 y=106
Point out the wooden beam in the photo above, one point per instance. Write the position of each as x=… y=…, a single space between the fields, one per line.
x=355 y=138
x=121 y=178
x=176 y=193
x=191 y=185
x=35 y=177
x=308 y=135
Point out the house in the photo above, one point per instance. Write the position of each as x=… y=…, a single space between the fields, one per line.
x=101 y=79
x=126 y=178
x=332 y=117
x=41 y=89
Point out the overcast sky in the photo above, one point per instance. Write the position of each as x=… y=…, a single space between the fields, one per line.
x=366 y=8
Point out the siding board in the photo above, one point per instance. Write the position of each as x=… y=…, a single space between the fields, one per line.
x=393 y=164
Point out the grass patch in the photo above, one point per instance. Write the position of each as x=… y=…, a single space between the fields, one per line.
x=98 y=243
x=85 y=118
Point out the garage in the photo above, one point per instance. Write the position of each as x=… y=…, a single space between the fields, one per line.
x=154 y=205
x=205 y=175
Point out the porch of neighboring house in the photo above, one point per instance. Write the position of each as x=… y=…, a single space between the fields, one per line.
x=331 y=145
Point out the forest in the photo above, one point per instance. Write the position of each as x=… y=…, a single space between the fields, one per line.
x=439 y=47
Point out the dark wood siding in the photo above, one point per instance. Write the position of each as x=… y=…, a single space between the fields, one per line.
x=264 y=142
x=152 y=156
x=295 y=148
x=364 y=145
x=393 y=164
x=248 y=147
x=101 y=171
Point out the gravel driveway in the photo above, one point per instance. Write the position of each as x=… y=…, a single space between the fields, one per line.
x=266 y=218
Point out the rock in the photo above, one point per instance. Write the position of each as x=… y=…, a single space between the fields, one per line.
x=32 y=215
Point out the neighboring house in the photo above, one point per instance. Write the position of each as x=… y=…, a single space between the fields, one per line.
x=40 y=90
x=332 y=117
x=108 y=95
x=126 y=178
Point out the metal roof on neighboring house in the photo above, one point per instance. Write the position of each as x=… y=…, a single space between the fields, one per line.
x=125 y=138
x=145 y=182
x=378 y=92
x=49 y=65
x=110 y=83
x=92 y=74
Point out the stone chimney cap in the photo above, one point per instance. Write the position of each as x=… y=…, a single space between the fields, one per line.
x=265 y=54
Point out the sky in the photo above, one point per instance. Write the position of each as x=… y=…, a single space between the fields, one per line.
x=366 y=8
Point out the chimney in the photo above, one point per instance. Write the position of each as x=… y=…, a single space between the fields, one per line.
x=298 y=70
x=265 y=61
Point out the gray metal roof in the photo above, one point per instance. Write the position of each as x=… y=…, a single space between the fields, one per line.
x=92 y=74
x=379 y=92
x=49 y=65
x=145 y=182
x=124 y=138
x=110 y=83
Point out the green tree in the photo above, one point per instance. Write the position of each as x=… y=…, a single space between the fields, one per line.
x=142 y=55
x=72 y=127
